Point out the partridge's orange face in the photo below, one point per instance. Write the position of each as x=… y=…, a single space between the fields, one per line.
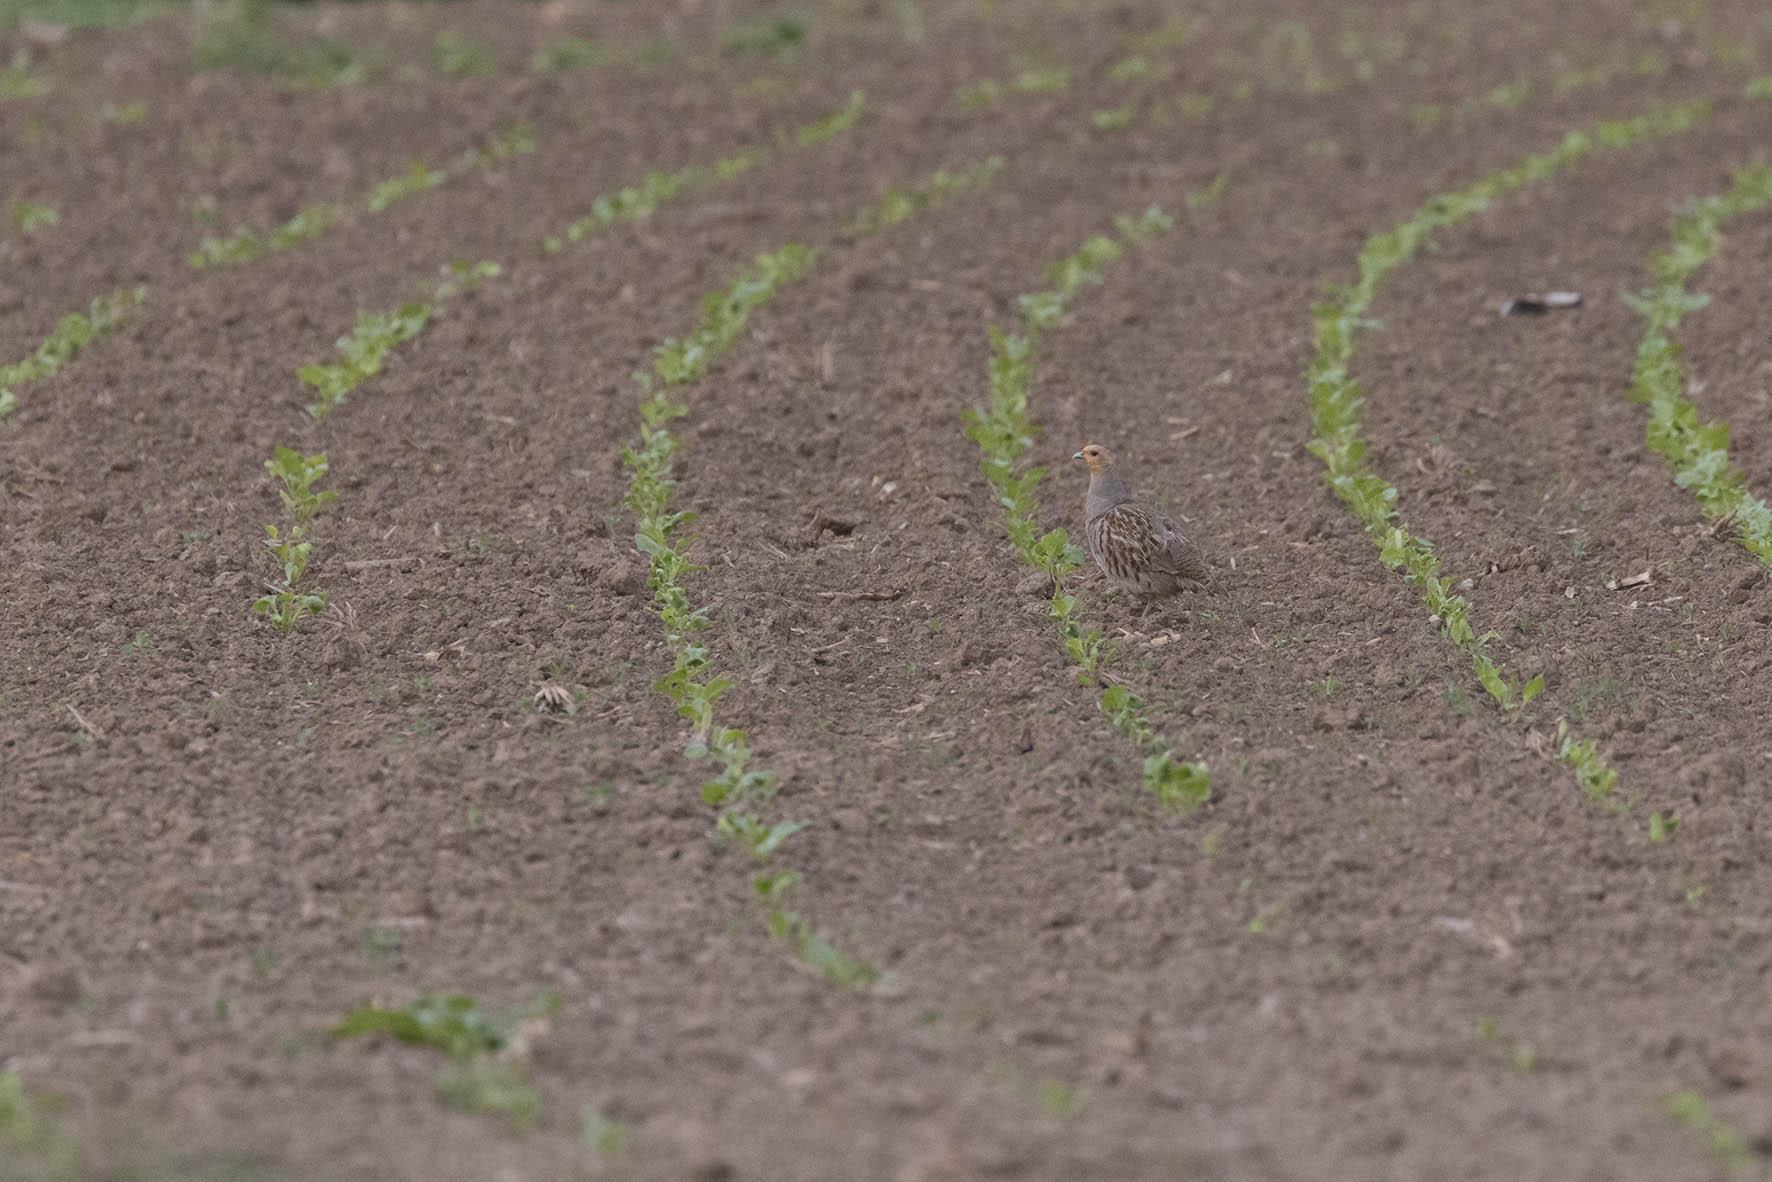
x=1096 y=456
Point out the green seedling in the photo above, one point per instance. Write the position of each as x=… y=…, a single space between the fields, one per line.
x=454 y=1024
x=489 y=1089
x=33 y=1138
x=518 y=139
x=766 y=36
x=31 y=217
x=1521 y=1056
x=1208 y=195
x=455 y=54
x=1595 y=776
x=1117 y=119
x=1054 y=1098
x=1337 y=400
x=17 y=81
x=1194 y=107
x=1131 y=69
x=789 y=927
x=486 y=1075
x=989 y=91
x=246 y=244
x=298 y=474
x=1050 y=80
x=416 y=179
x=568 y=53
x=896 y=205
x=833 y=125
x=363 y=349
x=1723 y=1141
x=607 y=1137
x=679 y=361
x=978 y=95
x=244 y=40
x=72 y=333
x=131 y=114
x=284 y=606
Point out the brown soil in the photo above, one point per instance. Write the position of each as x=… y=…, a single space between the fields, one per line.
x=1399 y=944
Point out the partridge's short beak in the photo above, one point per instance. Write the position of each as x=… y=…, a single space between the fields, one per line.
x=1078 y=456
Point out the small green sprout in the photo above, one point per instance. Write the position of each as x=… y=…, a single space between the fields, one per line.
x=1131 y=69
x=298 y=474
x=978 y=95
x=452 y=1023
x=17 y=81
x=246 y=244
x=33 y=216
x=896 y=205
x=130 y=114
x=820 y=130
x=416 y=179
x=1117 y=119
x=455 y=54
x=1194 y=107
x=608 y=1137
x=486 y=1048
x=363 y=350
x=1725 y=1143
x=766 y=35
x=567 y=53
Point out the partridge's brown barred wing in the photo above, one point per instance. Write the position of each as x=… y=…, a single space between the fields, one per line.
x=1142 y=552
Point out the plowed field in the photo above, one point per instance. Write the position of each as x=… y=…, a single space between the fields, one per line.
x=647 y=724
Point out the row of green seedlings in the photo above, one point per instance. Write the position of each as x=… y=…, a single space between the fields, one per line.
x=363 y=350
x=1337 y=403
x=288 y=600
x=368 y=343
x=71 y=334
x=740 y=793
x=1286 y=59
x=1514 y=94
x=291 y=598
x=1004 y=433
x=248 y=243
x=246 y=41
x=1698 y=451
x=637 y=202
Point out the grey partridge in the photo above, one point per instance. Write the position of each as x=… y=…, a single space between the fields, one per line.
x=1137 y=549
